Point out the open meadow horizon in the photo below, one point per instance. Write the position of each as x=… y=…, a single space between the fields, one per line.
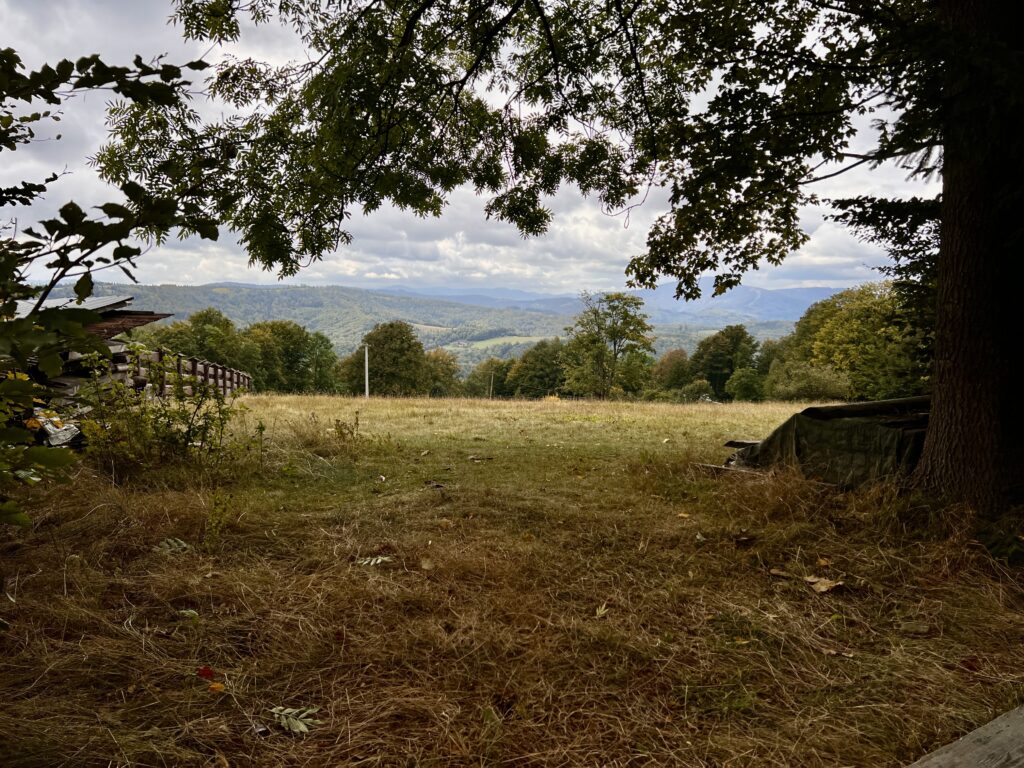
x=454 y=582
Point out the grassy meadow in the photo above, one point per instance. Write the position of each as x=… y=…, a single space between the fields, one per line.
x=470 y=583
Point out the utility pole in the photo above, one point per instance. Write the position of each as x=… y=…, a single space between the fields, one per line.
x=366 y=368
x=490 y=389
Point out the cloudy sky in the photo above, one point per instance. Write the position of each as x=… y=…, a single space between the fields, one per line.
x=584 y=249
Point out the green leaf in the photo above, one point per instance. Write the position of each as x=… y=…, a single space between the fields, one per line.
x=84 y=286
x=12 y=514
x=51 y=363
x=49 y=458
x=72 y=213
x=207 y=230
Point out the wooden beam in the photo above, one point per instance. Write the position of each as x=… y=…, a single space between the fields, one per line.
x=999 y=743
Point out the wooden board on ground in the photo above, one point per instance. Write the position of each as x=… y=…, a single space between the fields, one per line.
x=999 y=744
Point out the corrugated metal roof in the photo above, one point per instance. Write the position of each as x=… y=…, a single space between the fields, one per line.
x=94 y=303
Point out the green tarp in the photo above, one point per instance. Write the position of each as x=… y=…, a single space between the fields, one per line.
x=846 y=445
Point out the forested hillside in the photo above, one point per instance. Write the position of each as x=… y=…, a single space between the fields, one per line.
x=471 y=331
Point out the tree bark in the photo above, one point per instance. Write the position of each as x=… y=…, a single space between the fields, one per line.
x=973 y=449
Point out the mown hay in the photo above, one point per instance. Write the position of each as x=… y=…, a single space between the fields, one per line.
x=491 y=583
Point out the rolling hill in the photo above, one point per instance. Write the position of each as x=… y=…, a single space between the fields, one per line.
x=474 y=325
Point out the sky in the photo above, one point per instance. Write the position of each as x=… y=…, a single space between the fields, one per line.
x=584 y=248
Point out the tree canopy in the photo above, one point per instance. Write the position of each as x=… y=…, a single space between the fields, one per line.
x=397 y=359
x=611 y=328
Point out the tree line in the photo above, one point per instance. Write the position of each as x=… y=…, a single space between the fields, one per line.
x=855 y=345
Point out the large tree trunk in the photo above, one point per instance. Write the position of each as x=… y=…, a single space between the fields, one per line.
x=973 y=450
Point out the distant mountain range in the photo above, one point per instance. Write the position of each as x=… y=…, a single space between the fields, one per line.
x=742 y=304
x=474 y=324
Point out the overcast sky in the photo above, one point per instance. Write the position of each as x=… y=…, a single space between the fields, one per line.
x=584 y=249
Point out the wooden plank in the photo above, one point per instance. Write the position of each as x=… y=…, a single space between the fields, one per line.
x=999 y=744
x=715 y=470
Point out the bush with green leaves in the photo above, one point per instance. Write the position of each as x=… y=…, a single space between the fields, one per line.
x=129 y=430
x=696 y=390
x=745 y=384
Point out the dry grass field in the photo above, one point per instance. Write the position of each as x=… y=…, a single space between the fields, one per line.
x=464 y=583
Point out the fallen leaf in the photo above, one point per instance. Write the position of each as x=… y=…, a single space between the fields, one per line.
x=821 y=585
x=683 y=514
x=216 y=688
x=665 y=440
x=742 y=641
x=424 y=453
x=780 y=573
x=381 y=479
x=701 y=538
x=433 y=484
x=206 y=672
x=478 y=459
x=824 y=562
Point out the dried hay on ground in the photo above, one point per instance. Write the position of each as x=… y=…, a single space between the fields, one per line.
x=467 y=583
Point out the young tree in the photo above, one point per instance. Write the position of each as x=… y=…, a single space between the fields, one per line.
x=490 y=379
x=610 y=326
x=538 y=372
x=718 y=356
x=672 y=371
x=397 y=362
x=441 y=374
x=737 y=111
x=323 y=362
x=745 y=384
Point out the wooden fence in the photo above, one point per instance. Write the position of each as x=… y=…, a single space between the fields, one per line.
x=227 y=380
x=152 y=368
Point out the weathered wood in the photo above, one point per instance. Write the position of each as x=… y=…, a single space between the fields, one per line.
x=999 y=744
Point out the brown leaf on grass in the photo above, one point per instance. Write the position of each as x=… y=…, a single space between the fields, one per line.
x=821 y=585
x=824 y=562
x=780 y=573
x=216 y=688
x=683 y=514
x=478 y=459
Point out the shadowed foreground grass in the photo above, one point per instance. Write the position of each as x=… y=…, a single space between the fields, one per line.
x=478 y=583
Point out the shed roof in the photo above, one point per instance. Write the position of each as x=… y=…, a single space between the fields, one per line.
x=93 y=303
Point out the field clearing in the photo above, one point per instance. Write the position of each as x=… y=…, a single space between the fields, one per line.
x=462 y=583
x=497 y=341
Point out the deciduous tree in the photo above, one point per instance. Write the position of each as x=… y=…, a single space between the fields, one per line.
x=397 y=361
x=611 y=326
x=718 y=356
x=538 y=371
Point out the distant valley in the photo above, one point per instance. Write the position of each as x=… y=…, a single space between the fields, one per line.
x=472 y=324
